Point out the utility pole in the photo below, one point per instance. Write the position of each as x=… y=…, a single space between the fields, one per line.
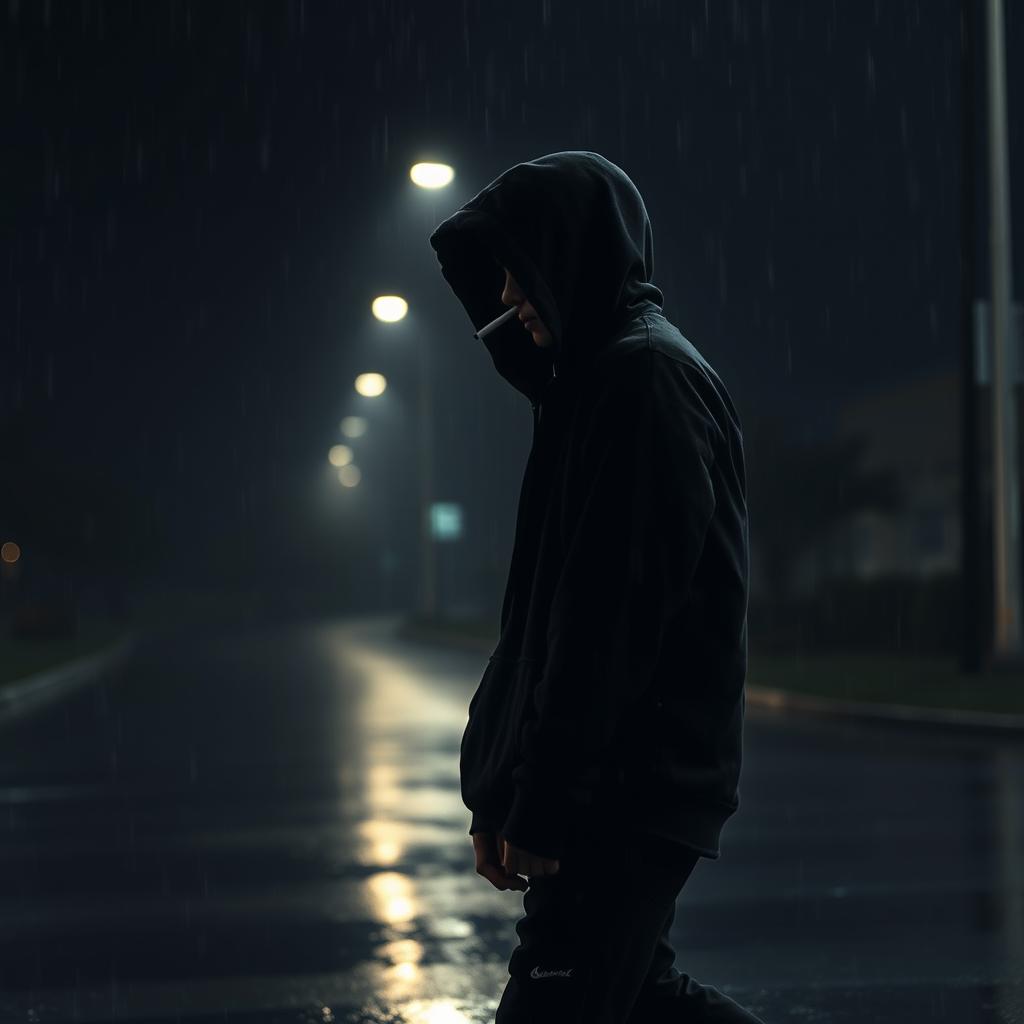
x=1006 y=650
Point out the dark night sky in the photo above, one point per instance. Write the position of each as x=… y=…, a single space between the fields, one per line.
x=202 y=199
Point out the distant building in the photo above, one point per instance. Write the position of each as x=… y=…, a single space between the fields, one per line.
x=913 y=430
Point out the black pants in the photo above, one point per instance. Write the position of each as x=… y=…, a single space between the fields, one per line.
x=594 y=942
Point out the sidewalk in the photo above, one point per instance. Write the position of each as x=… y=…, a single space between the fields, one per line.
x=1003 y=723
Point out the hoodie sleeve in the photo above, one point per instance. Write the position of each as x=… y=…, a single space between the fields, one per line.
x=634 y=528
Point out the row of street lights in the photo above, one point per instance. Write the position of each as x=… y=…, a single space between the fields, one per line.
x=391 y=309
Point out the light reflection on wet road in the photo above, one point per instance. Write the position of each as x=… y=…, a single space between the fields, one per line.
x=267 y=824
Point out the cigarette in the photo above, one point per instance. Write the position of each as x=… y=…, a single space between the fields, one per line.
x=495 y=324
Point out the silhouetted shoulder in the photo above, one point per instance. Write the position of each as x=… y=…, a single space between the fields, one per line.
x=654 y=362
x=667 y=339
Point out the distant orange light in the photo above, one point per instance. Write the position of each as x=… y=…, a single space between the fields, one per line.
x=10 y=552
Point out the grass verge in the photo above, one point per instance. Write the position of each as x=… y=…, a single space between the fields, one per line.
x=24 y=656
x=915 y=680
x=931 y=681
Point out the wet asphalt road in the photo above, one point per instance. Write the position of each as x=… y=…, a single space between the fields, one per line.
x=265 y=825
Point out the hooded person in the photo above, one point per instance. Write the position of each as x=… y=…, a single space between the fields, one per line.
x=607 y=727
x=616 y=690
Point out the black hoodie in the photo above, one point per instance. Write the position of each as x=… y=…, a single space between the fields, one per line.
x=615 y=693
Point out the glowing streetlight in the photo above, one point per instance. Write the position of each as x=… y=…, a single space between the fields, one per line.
x=371 y=384
x=349 y=475
x=390 y=308
x=431 y=175
x=340 y=455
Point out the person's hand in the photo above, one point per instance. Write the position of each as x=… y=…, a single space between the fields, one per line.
x=489 y=856
x=503 y=864
x=520 y=862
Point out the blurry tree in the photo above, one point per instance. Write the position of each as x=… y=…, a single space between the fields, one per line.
x=799 y=493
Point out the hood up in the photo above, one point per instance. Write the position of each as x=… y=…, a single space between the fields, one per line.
x=573 y=230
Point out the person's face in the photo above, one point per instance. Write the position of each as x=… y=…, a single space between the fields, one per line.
x=511 y=295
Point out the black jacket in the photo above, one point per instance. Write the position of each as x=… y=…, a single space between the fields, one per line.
x=615 y=692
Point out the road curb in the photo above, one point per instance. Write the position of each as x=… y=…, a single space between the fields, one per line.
x=791 y=700
x=30 y=691
x=904 y=714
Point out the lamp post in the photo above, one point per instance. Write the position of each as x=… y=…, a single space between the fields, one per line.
x=428 y=559
x=431 y=177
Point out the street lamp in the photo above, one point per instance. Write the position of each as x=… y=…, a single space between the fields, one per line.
x=349 y=475
x=340 y=455
x=428 y=175
x=371 y=385
x=389 y=308
x=431 y=177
